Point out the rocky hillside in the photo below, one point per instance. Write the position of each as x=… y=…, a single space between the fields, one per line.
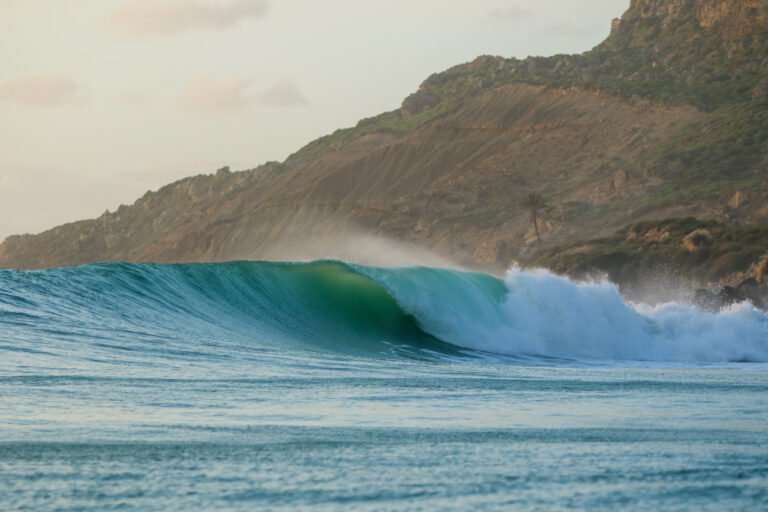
x=668 y=257
x=666 y=118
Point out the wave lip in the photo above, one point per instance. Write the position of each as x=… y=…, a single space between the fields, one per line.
x=331 y=306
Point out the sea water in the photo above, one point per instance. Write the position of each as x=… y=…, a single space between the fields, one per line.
x=325 y=385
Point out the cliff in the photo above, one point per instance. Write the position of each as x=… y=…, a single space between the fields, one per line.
x=666 y=118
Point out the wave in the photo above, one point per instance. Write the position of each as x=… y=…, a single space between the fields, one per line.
x=187 y=310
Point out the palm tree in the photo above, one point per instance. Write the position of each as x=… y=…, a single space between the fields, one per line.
x=535 y=203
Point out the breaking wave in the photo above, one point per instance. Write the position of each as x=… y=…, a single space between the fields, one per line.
x=129 y=310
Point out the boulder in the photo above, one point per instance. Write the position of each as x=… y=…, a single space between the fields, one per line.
x=697 y=240
x=748 y=290
x=761 y=270
x=656 y=235
x=737 y=201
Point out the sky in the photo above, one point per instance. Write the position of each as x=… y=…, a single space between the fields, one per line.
x=102 y=100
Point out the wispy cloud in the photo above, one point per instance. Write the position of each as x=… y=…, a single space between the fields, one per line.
x=514 y=13
x=44 y=91
x=283 y=93
x=144 y=17
x=209 y=94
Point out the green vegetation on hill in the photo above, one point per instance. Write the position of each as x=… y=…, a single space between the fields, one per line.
x=726 y=151
x=666 y=58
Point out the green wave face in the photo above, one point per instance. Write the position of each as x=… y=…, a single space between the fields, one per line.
x=336 y=306
x=323 y=306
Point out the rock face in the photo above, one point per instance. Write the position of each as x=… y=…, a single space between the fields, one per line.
x=708 y=12
x=736 y=18
x=608 y=137
x=690 y=43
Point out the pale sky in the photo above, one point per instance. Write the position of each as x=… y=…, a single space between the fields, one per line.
x=101 y=100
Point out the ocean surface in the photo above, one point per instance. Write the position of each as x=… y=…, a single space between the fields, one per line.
x=326 y=385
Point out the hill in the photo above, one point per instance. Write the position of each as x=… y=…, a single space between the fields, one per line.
x=666 y=118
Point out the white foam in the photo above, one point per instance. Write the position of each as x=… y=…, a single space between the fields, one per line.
x=547 y=315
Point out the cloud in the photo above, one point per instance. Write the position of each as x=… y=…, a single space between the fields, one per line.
x=144 y=17
x=283 y=93
x=45 y=91
x=513 y=13
x=208 y=94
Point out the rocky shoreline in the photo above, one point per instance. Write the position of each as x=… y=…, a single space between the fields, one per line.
x=708 y=263
x=753 y=289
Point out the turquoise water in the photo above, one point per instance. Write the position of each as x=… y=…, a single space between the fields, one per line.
x=245 y=386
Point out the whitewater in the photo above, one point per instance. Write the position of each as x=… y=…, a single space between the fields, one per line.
x=330 y=384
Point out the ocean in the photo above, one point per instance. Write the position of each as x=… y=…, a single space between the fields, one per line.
x=328 y=386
